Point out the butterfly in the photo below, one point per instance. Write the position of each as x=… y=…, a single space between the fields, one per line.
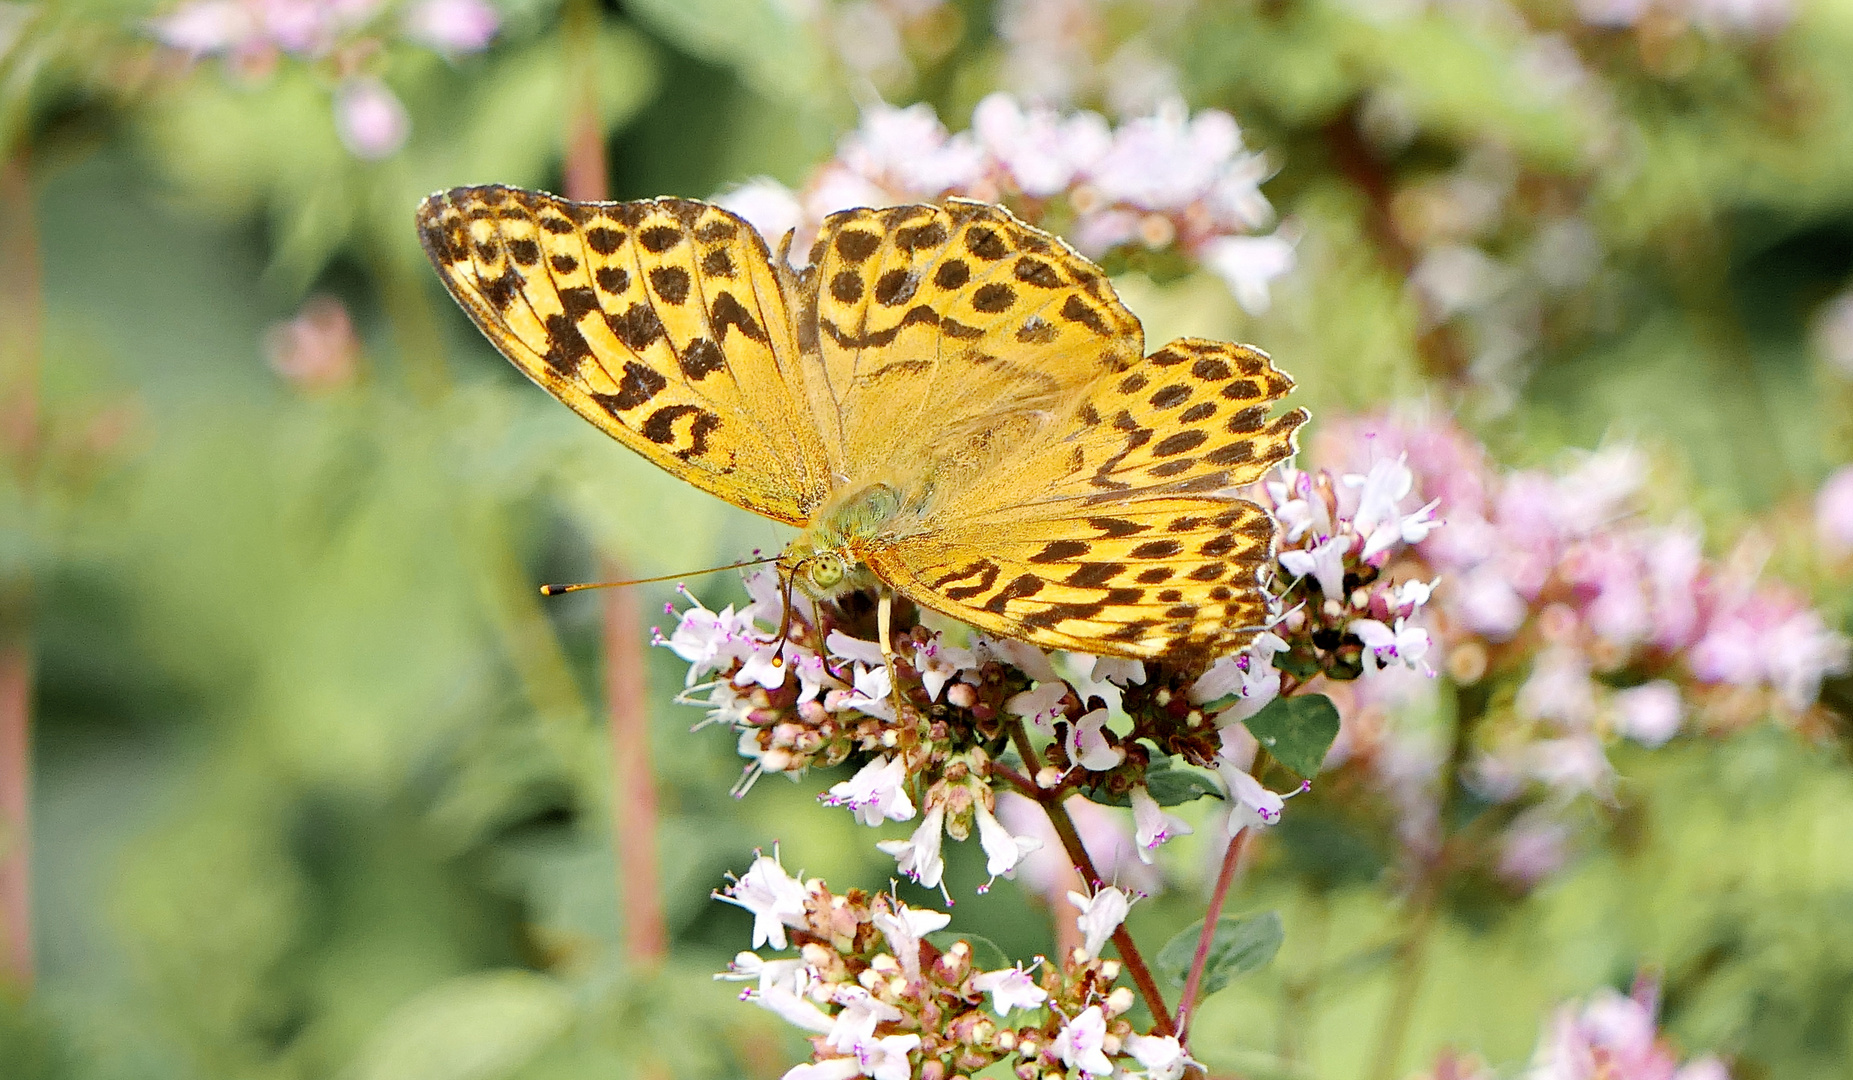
x=949 y=403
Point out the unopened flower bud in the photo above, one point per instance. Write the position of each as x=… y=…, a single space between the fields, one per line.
x=961 y=695
x=1048 y=776
x=1332 y=609
x=1110 y=1044
x=1163 y=696
x=934 y=1069
x=884 y=966
x=1119 y=1000
x=1025 y=1070
x=775 y=760
x=786 y=734
x=1109 y=970
x=812 y=712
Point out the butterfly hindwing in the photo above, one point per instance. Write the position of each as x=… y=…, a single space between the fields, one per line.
x=661 y=321
x=1118 y=532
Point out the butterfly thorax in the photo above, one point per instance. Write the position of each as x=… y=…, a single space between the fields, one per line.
x=826 y=560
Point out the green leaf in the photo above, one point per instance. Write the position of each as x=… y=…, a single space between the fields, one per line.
x=1297 y=731
x=987 y=955
x=1241 y=944
x=1170 y=785
x=476 y=1027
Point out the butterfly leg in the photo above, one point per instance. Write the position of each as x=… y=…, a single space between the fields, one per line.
x=884 y=629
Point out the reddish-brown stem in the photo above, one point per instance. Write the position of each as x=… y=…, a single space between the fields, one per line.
x=585 y=176
x=633 y=788
x=21 y=351
x=1231 y=858
x=1122 y=939
x=15 y=821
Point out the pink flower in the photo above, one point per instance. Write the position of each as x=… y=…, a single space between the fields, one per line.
x=1010 y=988
x=1079 y=1044
x=1833 y=512
x=453 y=27
x=1042 y=151
x=369 y=118
x=1248 y=265
x=877 y=791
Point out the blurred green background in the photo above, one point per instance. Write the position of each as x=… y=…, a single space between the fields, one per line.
x=319 y=787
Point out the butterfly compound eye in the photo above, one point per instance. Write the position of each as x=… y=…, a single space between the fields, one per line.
x=825 y=571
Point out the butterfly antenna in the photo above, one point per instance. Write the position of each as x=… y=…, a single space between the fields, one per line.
x=778 y=655
x=559 y=590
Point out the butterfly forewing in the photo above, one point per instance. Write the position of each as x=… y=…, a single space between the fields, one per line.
x=661 y=321
x=946 y=332
x=1116 y=532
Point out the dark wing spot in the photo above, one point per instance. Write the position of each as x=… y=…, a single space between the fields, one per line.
x=952 y=274
x=1210 y=369
x=1037 y=331
x=1032 y=271
x=1173 y=467
x=701 y=358
x=953 y=328
x=1133 y=383
x=1179 y=443
x=1075 y=309
x=637 y=327
x=556 y=225
x=929 y=235
x=525 y=252
x=1022 y=586
x=1218 y=546
x=1171 y=596
x=1221 y=592
x=846 y=286
x=613 y=279
x=1209 y=572
x=1089 y=415
x=730 y=312
x=603 y=240
x=1061 y=551
x=1168 y=356
x=566 y=346
x=660 y=428
x=1233 y=454
x=1157 y=549
x=718 y=229
x=1170 y=396
x=563 y=264
x=1095 y=575
x=984 y=571
x=1184 y=524
x=659 y=238
x=1202 y=410
x=578 y=301
x=1248 y=421
x=1240 y=389
x=1181 y=611
x=638 y=385
x=896 y=287
x=500 y=291
x=855 y=245
x=993 y=298
x=1115 y=527
x=1155 y=575
x=986 y=243
x=670 y=283
x=717 y=263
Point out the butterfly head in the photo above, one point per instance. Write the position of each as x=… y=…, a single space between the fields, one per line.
x=825 y=562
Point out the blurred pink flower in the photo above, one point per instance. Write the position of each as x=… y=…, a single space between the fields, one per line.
x=1833 y=512
x=1105 y=834
x=1612 y=1037
x=318 y=349
x=452 y=26
x=370 y=119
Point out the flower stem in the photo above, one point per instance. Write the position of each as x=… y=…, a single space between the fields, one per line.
x=633 y=795
x=1122 y=939
x=1231 y=858
x=21 y=447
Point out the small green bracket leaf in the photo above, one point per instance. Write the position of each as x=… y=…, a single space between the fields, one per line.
x=1169 y=785
x=1297 y=730
x=1241 y=945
